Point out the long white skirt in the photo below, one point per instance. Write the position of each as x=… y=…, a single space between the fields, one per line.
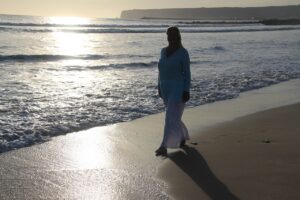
x=174 y=131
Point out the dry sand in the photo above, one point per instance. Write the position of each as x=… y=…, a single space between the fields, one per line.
x=252 y=157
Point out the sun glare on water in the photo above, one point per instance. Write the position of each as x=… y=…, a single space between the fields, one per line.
x=69 y=20
x=77 y=50
x=71 y=43
x=68 y=42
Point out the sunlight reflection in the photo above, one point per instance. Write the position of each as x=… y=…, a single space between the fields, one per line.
x=88 y=156
x=71 y=43
x=69 y=20
x=93 y=149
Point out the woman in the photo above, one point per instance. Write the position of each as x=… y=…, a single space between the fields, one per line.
x=173 y=87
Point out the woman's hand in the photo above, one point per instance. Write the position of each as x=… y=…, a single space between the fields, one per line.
x=185 y=96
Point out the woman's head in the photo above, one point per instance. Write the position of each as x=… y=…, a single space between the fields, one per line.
x=174 y=37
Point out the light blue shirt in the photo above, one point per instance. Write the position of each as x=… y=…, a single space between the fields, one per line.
x=174 y=74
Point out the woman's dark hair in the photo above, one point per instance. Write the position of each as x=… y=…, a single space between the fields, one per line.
x=175 y=30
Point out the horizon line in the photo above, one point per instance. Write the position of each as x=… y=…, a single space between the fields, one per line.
x=119 y=17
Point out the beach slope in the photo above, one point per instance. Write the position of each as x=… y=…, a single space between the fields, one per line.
x=253 y=157
x=239 y=149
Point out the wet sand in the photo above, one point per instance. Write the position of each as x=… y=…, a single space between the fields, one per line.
x=252 y=157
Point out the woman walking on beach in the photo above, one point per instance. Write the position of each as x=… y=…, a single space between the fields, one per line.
x=173 y=87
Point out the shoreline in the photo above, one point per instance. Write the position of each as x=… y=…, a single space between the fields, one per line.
x=118 y=162
x=58 y=108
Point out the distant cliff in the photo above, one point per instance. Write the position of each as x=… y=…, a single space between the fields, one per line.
x=227 y=13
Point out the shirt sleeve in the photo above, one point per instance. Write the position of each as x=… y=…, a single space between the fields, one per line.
x=158 y=80
x=186 y=71
x=158 y=77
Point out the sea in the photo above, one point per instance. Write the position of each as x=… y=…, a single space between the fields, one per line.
x=64 y=74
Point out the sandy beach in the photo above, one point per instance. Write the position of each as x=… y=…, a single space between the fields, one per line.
x=253 y=157
x=84 y=90
x=244 y=148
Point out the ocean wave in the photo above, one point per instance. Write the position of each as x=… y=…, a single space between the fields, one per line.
x=123 y=65
x=218 y=22
x=113 y=66
x=49 y=57
x=180 y=23
x=116 y=65
x=218 y=48
x=157 y=30
x=86 y=25
x=4 y=47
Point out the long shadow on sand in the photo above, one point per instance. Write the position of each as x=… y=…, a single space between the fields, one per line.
x=194 y=165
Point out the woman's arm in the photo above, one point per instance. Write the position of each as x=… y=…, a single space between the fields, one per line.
x=158 y=77
x=158 y=87
x=187 y=76
x=186 y=71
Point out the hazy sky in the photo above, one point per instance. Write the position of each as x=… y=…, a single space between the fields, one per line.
x=113 y=8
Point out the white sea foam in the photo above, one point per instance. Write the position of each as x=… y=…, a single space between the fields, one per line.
x=151 y=29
